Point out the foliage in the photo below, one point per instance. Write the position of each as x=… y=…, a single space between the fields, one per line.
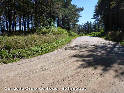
x=85 y=28
x=13 y=48
x=115 y=36
x=95 y=34
x=51 y=30
x=71 y=33
x=33 y=14
x=110 y=12
x=122 y=43
x=89 y=27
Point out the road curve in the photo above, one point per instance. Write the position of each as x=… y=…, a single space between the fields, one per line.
x=86 y=65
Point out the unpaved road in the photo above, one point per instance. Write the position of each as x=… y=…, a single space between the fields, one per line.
x=86 y=65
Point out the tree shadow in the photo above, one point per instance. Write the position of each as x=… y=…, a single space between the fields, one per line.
x=105 y=58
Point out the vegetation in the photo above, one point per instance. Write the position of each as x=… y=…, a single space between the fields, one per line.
x=28 y=15
x=89 y=27
x=110 y=13
x=108 y=16
x=13 y=48
x=94 y=34
x=28 y=27
x=122 y=43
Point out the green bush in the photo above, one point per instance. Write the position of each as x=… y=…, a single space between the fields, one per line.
x=73 y=34
x=82 y=34
x=115 y=36
x=101 y=33
x=4 y=54
x=43 y=31
x=13 y=48
x=23 y=42
x=122 y=43
x=97 y=34
x=51 y=30
x=61 y=31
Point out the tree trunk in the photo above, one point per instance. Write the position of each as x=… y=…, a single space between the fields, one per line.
x=7 y=25
x=28 y=23
x=14 y=20
x=24 y=24
x=15 y=25
x=10 y=24
x=20 y=23
x=31 y=21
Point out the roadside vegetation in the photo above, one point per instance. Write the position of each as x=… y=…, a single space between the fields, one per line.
x=28 y=27
x=16 y=47
x=112 y=36
x=108 y=21
x=96 y=30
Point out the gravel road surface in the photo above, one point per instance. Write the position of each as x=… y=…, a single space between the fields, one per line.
x=86 y=65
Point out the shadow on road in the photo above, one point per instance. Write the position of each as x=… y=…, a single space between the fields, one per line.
x=104 y=57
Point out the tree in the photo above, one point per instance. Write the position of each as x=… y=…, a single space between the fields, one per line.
x=110 y=12
x=24 y=15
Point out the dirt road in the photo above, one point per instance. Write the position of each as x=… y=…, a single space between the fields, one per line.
x=86 y=65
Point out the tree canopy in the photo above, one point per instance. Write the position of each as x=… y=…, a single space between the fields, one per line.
x=111 y=13
x=24 y=15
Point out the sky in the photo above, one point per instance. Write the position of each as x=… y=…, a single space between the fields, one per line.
x=89 y=6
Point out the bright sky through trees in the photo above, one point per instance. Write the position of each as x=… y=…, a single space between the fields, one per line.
x=89 y=6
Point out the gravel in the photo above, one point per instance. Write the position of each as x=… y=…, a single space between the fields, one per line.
x=86 y=65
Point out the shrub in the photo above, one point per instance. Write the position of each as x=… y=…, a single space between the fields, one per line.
x=51 y=30
x=25 y=46
x=97 y=34
x=42 y=31
x=61 y=31
x=22 y=42
x=115 y=36
x=73 y=34
x=4 y=54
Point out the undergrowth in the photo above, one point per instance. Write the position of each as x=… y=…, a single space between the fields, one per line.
x=115 y=36
x=13 y=48
x=94 y=34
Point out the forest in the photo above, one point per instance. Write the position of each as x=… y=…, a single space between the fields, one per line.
x=61 y=46
x=27 y=15
x=35 y=27
x=108 y=15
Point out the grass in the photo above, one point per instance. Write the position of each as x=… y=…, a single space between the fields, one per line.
x=13 y=48
x=122 y=43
